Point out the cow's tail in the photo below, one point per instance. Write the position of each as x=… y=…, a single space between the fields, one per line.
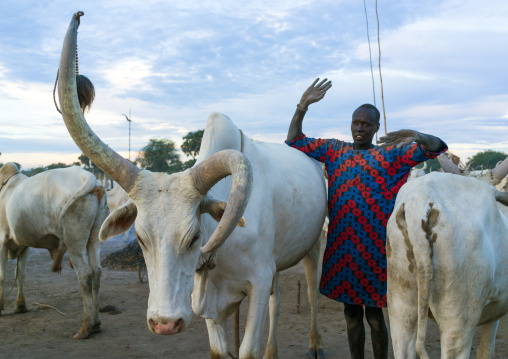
x=89 y=186
x=421 y=238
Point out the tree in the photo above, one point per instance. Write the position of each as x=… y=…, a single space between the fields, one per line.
x=192 y=143
x=486 y=159
x=89 y=165
x=160 y=156
x=56 y=165
x=85 y=161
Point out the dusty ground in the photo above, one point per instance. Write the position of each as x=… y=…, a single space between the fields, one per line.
x=44 y=333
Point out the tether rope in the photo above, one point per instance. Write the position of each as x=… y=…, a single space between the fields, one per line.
x=380 y=76
x=370 y=53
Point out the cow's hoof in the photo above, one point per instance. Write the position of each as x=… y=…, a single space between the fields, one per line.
x=96 y=328
x=20 y=308
x=82 y=335
x=316 y=354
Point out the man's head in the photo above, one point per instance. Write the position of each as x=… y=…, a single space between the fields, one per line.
x=364 y=125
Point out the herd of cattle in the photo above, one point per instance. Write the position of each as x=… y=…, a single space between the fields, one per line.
x=224 y=229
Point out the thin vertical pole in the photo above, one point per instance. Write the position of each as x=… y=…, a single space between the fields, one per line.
x=380 y=76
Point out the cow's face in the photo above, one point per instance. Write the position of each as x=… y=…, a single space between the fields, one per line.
x=167 y=220
x=167 y=213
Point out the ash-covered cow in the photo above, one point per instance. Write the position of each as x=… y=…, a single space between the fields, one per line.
x=116 y=197
x=60 y=210
x=193 y=263
x=447 y=256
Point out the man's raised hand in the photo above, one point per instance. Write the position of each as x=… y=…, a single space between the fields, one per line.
x=315 y=92
x=398 y=138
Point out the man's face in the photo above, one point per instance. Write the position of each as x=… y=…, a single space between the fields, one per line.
x=363 y=128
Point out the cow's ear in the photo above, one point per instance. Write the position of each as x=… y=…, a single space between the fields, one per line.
x=119 y=221
x=216 y=209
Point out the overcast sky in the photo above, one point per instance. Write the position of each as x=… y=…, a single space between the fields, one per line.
x=173 y=62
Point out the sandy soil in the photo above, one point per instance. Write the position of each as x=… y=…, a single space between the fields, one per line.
x=44 y=333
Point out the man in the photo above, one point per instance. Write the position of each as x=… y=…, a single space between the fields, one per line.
x=363 y=181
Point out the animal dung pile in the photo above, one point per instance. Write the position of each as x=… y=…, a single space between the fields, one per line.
x=128 y=258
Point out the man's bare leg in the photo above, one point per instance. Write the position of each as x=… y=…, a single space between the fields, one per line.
x=355 y=330
x=378 y=332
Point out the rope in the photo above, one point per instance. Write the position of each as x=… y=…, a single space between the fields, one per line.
x=370 y=54
x=76 y=16
x=54 y=90
x=7 y=180
x=49 y=306
x=380 y=76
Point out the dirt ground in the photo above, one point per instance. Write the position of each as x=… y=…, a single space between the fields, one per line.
x=44 y=333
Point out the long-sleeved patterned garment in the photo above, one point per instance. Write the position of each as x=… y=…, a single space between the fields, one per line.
x=362 y=186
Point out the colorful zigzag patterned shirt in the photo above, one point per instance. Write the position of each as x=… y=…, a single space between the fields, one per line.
x=362 y=186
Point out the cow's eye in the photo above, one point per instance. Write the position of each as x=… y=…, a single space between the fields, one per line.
x=194 y=239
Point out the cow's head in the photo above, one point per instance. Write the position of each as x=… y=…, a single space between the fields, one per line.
x=166 y=209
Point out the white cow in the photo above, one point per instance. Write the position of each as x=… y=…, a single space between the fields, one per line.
x=61 y=209
x=417 y=172
x=116 y=197
x=193 y=263
x=447 y=251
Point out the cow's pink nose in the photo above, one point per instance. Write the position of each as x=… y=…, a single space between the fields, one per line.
x=166 y=328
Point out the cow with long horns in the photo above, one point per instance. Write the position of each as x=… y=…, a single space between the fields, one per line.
x=193 y=262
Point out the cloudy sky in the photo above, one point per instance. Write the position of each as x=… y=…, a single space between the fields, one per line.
x=173 y=62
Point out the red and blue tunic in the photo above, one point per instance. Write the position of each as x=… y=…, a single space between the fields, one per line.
x=362 y=186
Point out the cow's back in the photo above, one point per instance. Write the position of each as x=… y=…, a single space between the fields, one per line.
x=36 y=205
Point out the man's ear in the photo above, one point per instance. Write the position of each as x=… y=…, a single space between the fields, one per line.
x=119 y=221
x=216 y=209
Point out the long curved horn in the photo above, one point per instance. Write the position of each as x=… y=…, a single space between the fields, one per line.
x=501 y=170
x=212 y=170
x=117 y=167
x=502 y=197
x=447 y=165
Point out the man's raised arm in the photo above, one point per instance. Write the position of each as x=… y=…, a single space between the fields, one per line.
x=405 y=137
x=313 y=94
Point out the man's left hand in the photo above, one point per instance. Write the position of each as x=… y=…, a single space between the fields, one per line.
x=398 y=138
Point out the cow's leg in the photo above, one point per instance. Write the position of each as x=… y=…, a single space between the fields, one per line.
x=20 y=275
x=456 y=339
x=311 y=263
x=94 y=253
x=259 y=297
x=402 y=295
x=217 y=335
x=403 y=326
x=77 y=226
x=487 y=344
x=3 y=267
x=271 y=350
x=79 y=260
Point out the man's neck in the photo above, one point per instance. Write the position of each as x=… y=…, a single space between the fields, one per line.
x=363 y=147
